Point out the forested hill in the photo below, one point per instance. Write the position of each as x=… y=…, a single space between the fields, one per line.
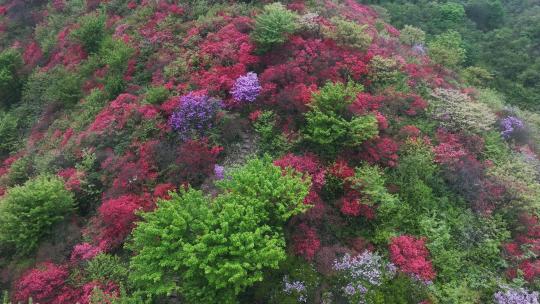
x=500 y=40
x=321 y=151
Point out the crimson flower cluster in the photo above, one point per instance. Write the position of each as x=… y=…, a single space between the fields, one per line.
x=410 y=255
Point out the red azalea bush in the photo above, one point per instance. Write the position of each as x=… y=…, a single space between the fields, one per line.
x=450 y=150
x=381 y=150
x=43 y=283
x=115 y=115
x=133 y=172
x=228 y=53
x=409 y=131
x=83 y=252
x=301 y=66
x=411 y=256
x=341 y=169
x=195 y=161
x=307 y=163
x=32 y=54
x=306 y=241
x=528 y=239
x=396 y=103
x=351 y=205
x=83 y=294
x=117 y=217
x=72 y=178
x=366 y=103
x=162 y=190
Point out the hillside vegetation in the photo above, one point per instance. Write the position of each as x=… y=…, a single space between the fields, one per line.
x=213 y=151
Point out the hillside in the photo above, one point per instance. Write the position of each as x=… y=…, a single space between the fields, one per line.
x=213 y=151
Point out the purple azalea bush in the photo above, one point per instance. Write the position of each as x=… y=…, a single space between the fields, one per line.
x=195 y=115
x=295 y=287
x=516 y=296
x=363 y=272
x=219 y=171
x=246 y=88
x=511 y=125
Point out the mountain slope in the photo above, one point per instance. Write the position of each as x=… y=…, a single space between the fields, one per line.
x=239 y=152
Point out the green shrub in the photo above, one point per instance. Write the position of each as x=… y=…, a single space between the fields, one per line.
x=156 y=95
x=446 y=49
x=107 y=268
x=411 y=35
x=8 y=133
x=476 y=76
x=10 y=80
x=28 y=212
x=399 y=290
x=115 y=54
x=336 y=97
x=56 y=86
x=271 y=141
x=272 y=26
x=328 y=125
x=293 y=269
x=458 y=112
x=415 y=174
x=90 y=32
x=210 y=250
x=64 y=87
x=20 y=171
x=349 y=34
x=385 y=72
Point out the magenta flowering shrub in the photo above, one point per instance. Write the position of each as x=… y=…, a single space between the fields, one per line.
x=246 y=88
x=84 y=251
x=195 y=115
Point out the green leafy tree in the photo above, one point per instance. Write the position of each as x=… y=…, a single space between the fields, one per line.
x=10 y=79
x=90 y=32
x=487 y=14
x=446 y=49
x=411 y=35
x=8 y=133
x=385 y=72
x=273 y=26
x=450 y=16
x=271 y=140
x=28 y=212
x=349 y=34
x=107 y=268
x=329 y=126
x=210 y=250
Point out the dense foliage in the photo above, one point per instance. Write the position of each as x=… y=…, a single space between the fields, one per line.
x=28 y=213
x=210 y=250
x=254 y=152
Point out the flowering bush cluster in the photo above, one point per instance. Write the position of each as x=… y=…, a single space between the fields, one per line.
x=246 y=88
x=410 y=255
x=511 y=127
x=42 y=284
x=515 y=296
x=195 y=116
x=526 y=242
x=363 y=273
x=369 y=141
